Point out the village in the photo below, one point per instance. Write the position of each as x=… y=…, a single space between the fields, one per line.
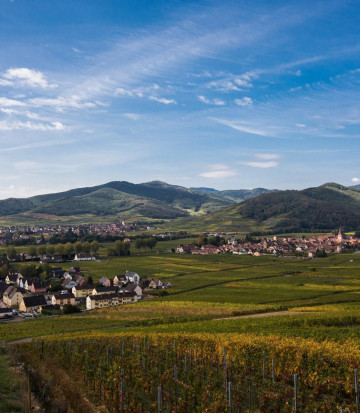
x=305 y=246
x=30 y=296
x=38 y=234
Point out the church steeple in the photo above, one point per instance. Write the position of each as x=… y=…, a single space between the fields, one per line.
x=340 y=235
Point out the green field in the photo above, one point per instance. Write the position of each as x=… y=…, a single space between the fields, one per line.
x=270 y=298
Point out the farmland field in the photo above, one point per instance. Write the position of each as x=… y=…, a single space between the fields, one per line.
x=263 y=300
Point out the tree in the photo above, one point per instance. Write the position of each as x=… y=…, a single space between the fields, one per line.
x=78 y=247
x=139 y=243
x=86 y=246
x=357 y=234
x=151 y=242
x=69 y=248
x=4 y=271
x=94 y=247
x=90 y=280
x=45 y=271
x=202 y=240
x=32 y=251
x=11 y=253
x=29 y=270
x=60 y=249
x=70 y=309
x=110 y=252
x=50 y=249
x=41 y=250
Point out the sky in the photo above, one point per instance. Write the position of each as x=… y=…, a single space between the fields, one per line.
x=222 y=94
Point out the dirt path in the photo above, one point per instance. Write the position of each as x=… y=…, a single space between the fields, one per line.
x=21 y=340
x=259 y=315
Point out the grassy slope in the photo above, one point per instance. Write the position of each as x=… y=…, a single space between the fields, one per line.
x=11 y=399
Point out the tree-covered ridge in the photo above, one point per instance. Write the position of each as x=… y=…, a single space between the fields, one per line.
x=152 y=199
x=322 y=208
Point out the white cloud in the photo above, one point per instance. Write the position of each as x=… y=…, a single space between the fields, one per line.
x=60 y=103
x=10 y=111
x=120 y=91
x=218 y=174
x=133 y=116
x=300 y=125
x=163 y=100
x=242 y=127
x=17 y=125
x=216 y=102
x=270 y=164
x=21 y=76
x=232 y=83
x=10 y=102
x=267 y=156
x=355 y=180
x=245 y=101
x=295 y=89
x=243 y=82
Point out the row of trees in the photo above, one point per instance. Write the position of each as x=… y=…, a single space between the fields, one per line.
x=120 y=248
x=217 y=240
x=59 y=249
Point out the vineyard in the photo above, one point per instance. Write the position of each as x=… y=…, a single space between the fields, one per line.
x=202 y=372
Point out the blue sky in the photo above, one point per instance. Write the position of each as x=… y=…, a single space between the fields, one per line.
x=224 y=94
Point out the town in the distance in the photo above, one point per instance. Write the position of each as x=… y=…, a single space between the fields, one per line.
x=42 y=287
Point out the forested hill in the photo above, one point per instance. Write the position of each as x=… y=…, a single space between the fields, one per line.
x=326 y=207
x=152 y=200
x=321 y=208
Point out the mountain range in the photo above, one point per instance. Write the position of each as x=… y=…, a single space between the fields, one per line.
x=150 y=201
x=322 y=208
x=325 y=207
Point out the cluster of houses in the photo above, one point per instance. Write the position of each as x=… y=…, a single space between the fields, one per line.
x=122 y=289
x=29 y=294
x=304 y=246
x=38 y=233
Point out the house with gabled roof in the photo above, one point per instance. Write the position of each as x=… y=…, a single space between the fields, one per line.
x=32 y=303
x=82 y=291
x=63 y=299
x=108 y=300
x=104 y=290
x=105 y=281
x=132 y=287
x=120 y=280
x=132 y=277
x=11 y=278
x=12 y=296
x=38 y=287
x=85 y=256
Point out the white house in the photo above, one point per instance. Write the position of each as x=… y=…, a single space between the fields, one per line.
x=132 y=277
x=84 y=256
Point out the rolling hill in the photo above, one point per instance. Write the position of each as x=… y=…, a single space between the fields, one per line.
x=322 y=208
x=151 y=200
